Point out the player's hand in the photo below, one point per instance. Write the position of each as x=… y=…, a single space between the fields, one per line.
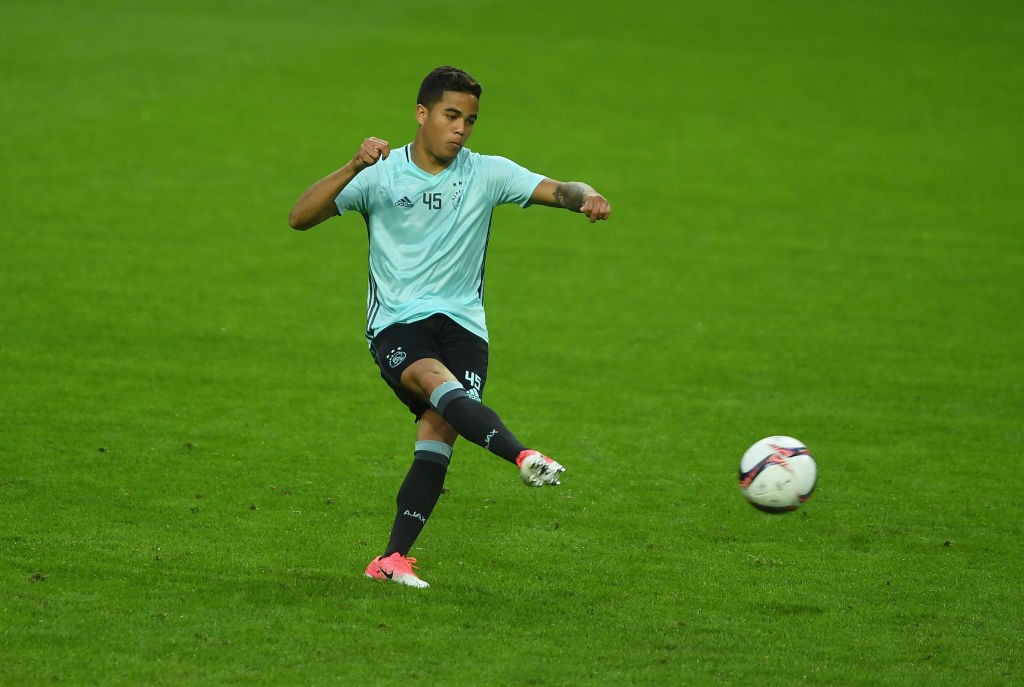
x=372 y=151
x=595 y=206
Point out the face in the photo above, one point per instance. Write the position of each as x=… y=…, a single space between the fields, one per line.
x=446 y=125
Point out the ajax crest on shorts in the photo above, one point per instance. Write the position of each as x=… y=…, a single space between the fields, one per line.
x=396 y=357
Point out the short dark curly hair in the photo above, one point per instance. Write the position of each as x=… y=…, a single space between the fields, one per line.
x=443 y=79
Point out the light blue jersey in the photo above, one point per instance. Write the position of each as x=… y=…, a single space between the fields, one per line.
x=428 y=234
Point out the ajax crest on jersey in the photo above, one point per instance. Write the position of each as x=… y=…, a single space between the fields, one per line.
x=777 y=474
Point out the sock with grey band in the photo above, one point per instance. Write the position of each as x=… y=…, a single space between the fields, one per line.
x=475 y=421
x=418 y=494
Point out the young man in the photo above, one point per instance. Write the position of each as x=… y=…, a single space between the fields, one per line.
x=427 y=207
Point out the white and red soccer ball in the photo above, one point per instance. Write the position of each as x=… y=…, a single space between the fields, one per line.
x=777 y=474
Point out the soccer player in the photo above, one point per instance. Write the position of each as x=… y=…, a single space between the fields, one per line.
x=427 y=207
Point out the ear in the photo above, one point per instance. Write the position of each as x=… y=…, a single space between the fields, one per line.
x=421 y=114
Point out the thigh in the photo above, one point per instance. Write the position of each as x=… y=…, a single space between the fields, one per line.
x=400 y=345
x=395 y=349
x=440 y=338
x=466 y=355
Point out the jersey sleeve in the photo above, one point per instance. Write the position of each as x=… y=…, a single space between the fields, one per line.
x=355 y=195
x=508 y=182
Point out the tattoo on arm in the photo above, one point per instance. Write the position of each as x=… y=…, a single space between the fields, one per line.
x=570 y=195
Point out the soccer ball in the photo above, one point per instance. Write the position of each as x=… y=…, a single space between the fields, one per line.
x=777 y=474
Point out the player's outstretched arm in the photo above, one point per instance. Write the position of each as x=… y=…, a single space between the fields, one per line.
x=317 y=203
x=572 y=195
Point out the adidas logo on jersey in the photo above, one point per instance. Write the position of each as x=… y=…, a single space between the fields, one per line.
x=403 y=202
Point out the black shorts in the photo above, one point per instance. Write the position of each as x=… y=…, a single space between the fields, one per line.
x=439 y=337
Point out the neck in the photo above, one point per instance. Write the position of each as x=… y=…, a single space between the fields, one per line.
x=427 y=161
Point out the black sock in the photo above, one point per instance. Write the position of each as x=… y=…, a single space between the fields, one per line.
x=475 y=421
x=418 y=494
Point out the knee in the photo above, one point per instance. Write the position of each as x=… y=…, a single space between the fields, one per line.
x=425 y=375
x=432 y=427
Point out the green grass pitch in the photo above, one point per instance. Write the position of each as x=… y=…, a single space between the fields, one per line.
x=817 y=231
